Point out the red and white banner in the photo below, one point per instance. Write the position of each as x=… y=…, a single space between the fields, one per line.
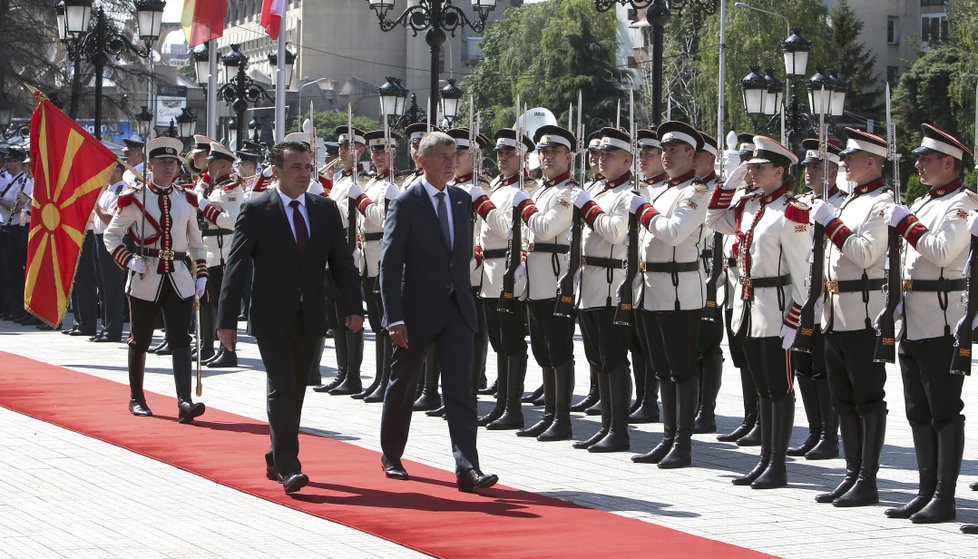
x=271 y=16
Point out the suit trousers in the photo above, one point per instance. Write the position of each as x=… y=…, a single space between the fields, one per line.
x=551 y=337
x=769 y=366
x=855 y=381
x=288 y=361
x=454 y=347
x=177 y=313
x=84 y=296
x=605 y=343
x=932 y=394
x=14 y=266
x=113 y=284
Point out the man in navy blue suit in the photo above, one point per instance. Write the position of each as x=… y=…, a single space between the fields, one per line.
x=424 y=281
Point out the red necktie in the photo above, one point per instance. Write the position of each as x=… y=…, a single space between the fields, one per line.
x=301 y=233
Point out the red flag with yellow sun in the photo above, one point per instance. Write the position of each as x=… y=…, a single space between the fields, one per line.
x=70 y=168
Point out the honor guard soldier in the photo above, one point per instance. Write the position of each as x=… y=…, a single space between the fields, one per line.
x=15 y=202
x=167 y=272
x=468 y=178
x=672 y=284
x=935 y=228
x=197 y=157
x=854 y=269
x=823 y=421
x=414 y=133
x=248 y=169
x=748 y=433
x=773 y=240
x=219 y=202
x=711 y=331
x=651 y=175
x=133 y=152
x=605 y=211
x=349 y=345
x=372 y=205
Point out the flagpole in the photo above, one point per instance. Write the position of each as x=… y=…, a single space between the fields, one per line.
x=212 y=89
x=280 y=69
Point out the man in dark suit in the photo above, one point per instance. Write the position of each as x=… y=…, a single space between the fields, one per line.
x=289 y=236
x=424 y=282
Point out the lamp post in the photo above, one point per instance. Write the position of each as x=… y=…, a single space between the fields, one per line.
x=239 y=90
x=451 y=95
x=88 y=35
x=658 y=14
x=434 y=17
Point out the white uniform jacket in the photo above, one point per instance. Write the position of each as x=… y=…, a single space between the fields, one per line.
x=606 y=217
x=226 y=197
x=548 y=218
x=774 y=240
x=171 y=225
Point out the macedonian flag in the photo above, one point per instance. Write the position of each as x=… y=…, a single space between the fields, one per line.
x=70 y=168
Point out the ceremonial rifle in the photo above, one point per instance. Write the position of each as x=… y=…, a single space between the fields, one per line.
x=351 y=207
x=885 y=351
x=711 y=310
x=964 y=337
x=626 y=294
x=564 y=307
x=514 y=256
x=805 y=335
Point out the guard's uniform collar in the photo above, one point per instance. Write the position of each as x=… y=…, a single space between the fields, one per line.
x=511 y=180
x=349 y=173
x=157 y=189
x=625 y=177
x=711 y=177
x=869 y=186
x=945 y=190
x=463 y=179
x=556 y=180
x=657 y=178
x=682 y=178
x=768 y=198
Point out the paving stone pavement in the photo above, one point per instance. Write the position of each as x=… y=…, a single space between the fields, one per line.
x=57 y=501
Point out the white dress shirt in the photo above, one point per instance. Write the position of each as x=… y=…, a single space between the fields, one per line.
x=286 y=201
x=432 y=191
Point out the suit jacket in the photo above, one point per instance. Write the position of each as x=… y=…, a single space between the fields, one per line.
x=283 y=278
x=418 y=270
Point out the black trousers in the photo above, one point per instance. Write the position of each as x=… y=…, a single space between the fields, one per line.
x=375 y=305
x=288 y=361
x=84 y=296
x=608 y=342
x=769 y=366
x=673 y=337
x=507 y=331
x=112 y=281
x=4 y=273
x=15 y=264
x=711 y=334
x=551 y=337
x=932 y=394
x=735 y=342
x=454 y=348
x=177 y=313
x=855 y=381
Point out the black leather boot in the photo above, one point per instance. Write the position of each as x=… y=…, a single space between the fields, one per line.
x=925 y=447
x=749 y=395
x=339 y=345
x=532 y=397
x=429 y=399
x=648 y=412
x=765 y=421
x=687 y=403
x=489 y=390
x=852 y=444
x=828 y=443
x=227 y=358
x=377 y=395
x=950 y=450
x=208 y=326
x=512 y=417
x=711 y=368
x=137 y=369
x=776 y=473
x=604 y=389
x=809 y=396
x=592 y=394
x=619 y=392
x=378 y=368
x=548 y=409
x=162 y=349
x=352 y=383
x=502 y=366
x=217 y=354
x=560 y=429
x=864 y=492
x=667 y=390
x=183 y=378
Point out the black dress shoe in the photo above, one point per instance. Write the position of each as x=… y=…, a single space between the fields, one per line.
x=437 y=412
x=227 y=358
x=206 y=353
x=271 y=473
x=393 y=468
x=162 y=349
x=80 y=333
x=474 y=480
x=70 y=330
x=190 y=410
x=969 y=528
x=294 y=481
x=32 y=321
x=139 y=408
x=107 y=339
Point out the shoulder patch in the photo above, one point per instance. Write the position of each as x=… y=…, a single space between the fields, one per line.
x=126 y=198
x=797 y=211
x=191 y=197
x=700 y=186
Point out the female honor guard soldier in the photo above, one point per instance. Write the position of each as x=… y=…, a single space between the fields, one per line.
x=380 y=188
x=773 y=241
x=936 y=231
x=854 y=260
x=673 y=295
x=605 y=211
x=164 y=278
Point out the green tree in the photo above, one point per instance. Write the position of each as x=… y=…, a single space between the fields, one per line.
x=854 y=62
x=544 y=54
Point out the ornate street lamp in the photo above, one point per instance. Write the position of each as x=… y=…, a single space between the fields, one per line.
x=775 y=93
x=392 y=97
x=201 y=56
x=795 y=49
x=186 y=123
x=755 y=89
x=144 y=119
x=289 y=63
x=239 y=90
x=451 y=95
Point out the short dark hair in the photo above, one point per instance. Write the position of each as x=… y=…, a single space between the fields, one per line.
x=277 y=156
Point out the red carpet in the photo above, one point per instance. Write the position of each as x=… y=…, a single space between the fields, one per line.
x=427 y=514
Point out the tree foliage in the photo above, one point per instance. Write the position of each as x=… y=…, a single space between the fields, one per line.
x=544 y=54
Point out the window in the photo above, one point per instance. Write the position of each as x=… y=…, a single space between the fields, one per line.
x=893 y=75
x=933 y=29
x=892 y=30
x=933 y=2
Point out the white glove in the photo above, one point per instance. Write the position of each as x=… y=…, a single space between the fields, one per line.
x=736 y=178
x=822 y=213
x=475 y=192
x=787 y=336
x=137 y=264
x=895 y=214
x=392 y=192
x=519 y=197
x=577 y=279
x=203 y=203
x=973 y=223
x=355 y=191
x=582 y=197
x=897 y=315
x=638 y=282
x=520 y=273
x=636 y=203
x=357 y=256
x=200 y=285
